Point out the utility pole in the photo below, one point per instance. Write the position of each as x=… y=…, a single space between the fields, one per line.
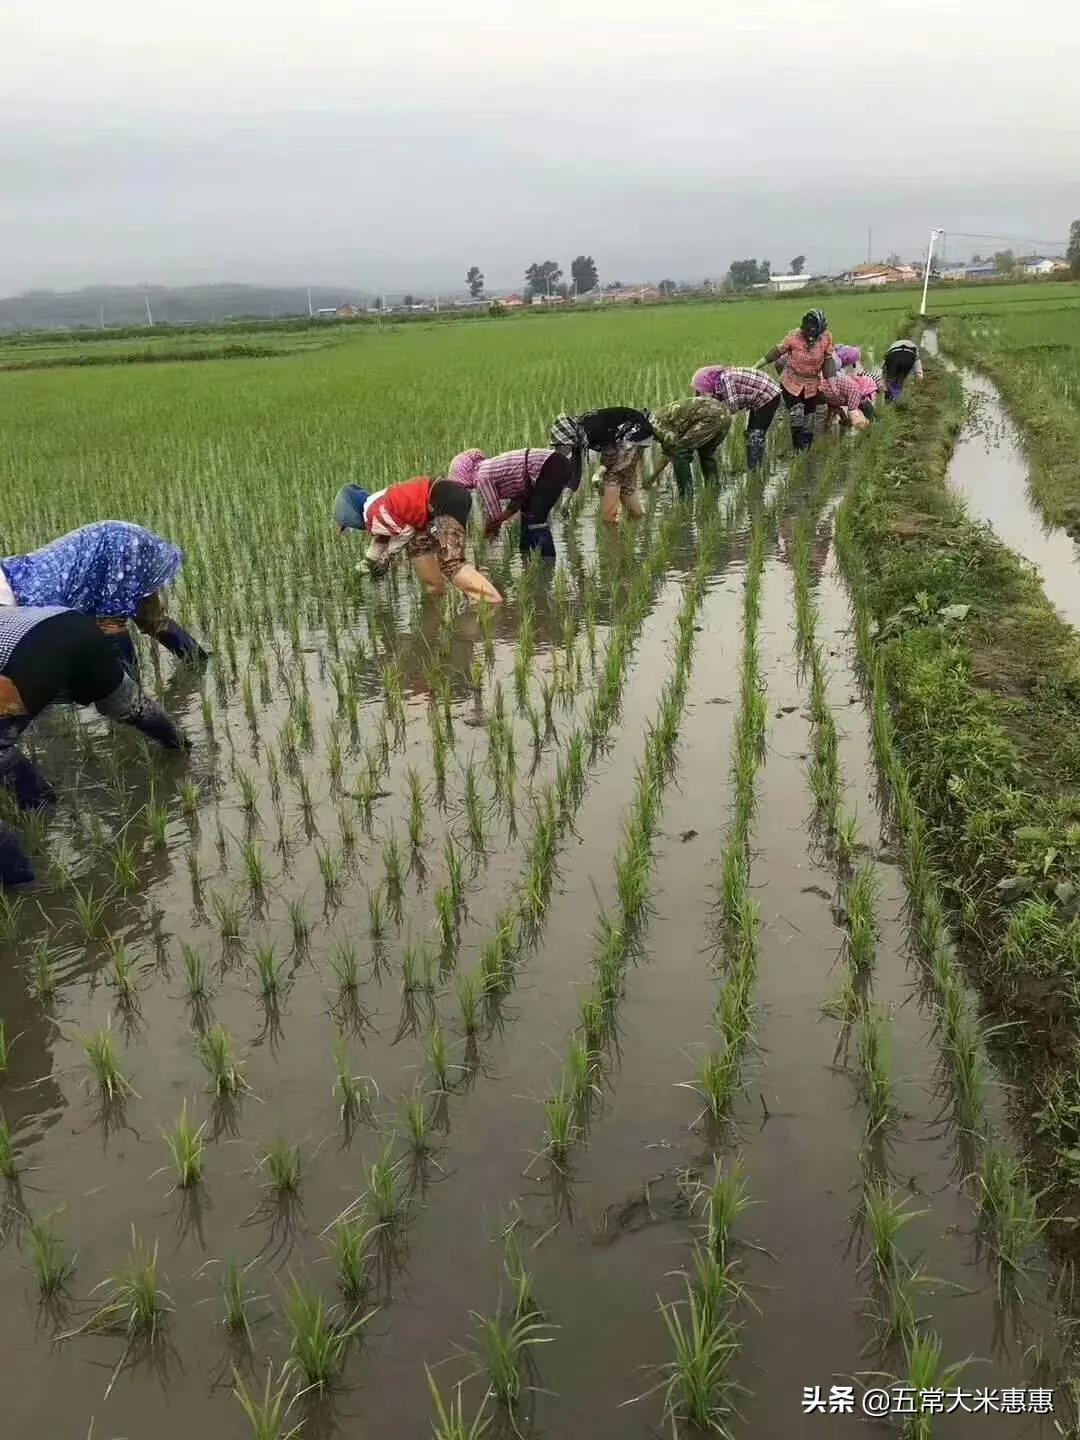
x=926 y=277
x=436 y=302
x=149 y=315
x=310 y=312
x=869 y=243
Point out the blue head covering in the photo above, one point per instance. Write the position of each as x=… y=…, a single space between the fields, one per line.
x=106 y=569
x=349 y=507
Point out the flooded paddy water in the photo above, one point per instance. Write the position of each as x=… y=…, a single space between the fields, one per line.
x=436 y=925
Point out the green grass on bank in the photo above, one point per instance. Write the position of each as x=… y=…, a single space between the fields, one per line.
x=984 y=680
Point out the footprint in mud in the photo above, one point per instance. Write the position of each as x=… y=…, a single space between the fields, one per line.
x=665 y=1197
x=685 y=835
x=718 y=700
x=817 y=890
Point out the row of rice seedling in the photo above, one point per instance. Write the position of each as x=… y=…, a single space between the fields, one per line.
x=618 y=935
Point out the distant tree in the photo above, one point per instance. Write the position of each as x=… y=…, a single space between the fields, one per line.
x=584 y=273
x=1004 y=262
x=1072 y=254
x=475 y=282
x=893 y=259
x=541 y=279
x=378 y=302
x=407 y=301
x=743 y=274
x=764 y=271
x=798 y=265
x=976 y=259
x=667 y=287
x=614 y=285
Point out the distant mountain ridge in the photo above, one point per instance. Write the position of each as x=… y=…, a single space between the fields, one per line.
x=117 y=306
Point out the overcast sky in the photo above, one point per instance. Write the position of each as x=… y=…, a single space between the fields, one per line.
x=385 y=145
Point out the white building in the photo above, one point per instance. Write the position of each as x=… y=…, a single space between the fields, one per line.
x=1039 y=264
x=781 y=284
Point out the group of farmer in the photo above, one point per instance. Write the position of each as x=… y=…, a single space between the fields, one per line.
x=66 y=609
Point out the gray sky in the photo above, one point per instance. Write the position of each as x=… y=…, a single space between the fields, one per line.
x=387 y=146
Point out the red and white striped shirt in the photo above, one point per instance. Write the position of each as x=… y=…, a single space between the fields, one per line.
x=400 y=509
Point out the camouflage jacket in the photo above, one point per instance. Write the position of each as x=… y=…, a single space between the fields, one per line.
x=689 y=424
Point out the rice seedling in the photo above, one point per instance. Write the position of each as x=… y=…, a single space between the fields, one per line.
x=502 y=1346
x=438 y=1057
x=446 y=918
x=51 y=1262
x=215 y=1050
x=11 y=907
x=230 y=916
x=861 y=900
x=355 y=1090
x=254 y=867
x=123 y=972
x=593 y=1020
x=350 y=1250
x=518 y=1273
x=474 y=807
x=9 y=1166
x=135 y=1305
x=393 y=871
x=125 y=870
x=455 y=872
x=268 y=1413
x=562 y=1130
x=698 y=1389
x=386 y=1195
x=197 y=986
x=299 y=925
x=715 y=1083
x=236 y=1300
x=450 y=1422
x=874 y=1079
x=925 y=1372
x=1008 y=1213
x=157 y=823
x=186 y=1146
x=102 y=1058
x=330 y=869
x=886 y=1214
x=317 y=1343
x=90 y=912
x=416 y=809
x=496 y=957
x=347 y=830
x=270 y=971
x=195 y=875
x=43 y=981
x=417 y=970
x=470 y=993
x=414 y=1108
x=582 y=1067
x=376 y=915
x=280 y=1164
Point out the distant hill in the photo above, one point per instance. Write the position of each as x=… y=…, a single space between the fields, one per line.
x=120 y=306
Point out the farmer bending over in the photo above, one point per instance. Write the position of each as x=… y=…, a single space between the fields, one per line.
x=113 y=571
x=426 y=519
x=49 y=653
x=901 y=360
x=849 y=400
x=620 y=434
x=808 y=356
x=740 y=388
x=528 y=482
x=686 y=428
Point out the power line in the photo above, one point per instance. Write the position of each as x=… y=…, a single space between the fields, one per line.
x=1012 y=239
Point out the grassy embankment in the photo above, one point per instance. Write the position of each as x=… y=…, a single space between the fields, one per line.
x=1034 y=359
x=983 y=681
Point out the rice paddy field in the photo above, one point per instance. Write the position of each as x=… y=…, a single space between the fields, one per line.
x=545 y=1021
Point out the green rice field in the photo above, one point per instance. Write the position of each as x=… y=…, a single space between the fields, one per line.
x=579 y=1018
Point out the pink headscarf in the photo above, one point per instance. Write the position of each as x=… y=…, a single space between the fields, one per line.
x=465 y=468
x=868 y=386
x=706 y=379
x=848 y=354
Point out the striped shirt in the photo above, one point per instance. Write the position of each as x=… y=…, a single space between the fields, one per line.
x=507 y=477
x=805 y=359
x=843 y=392
x=400 y=510
x=16 y=622
x=740 y=388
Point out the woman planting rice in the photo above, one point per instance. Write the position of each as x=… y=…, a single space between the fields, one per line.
x=620 y=434
x=902 y=359
x=686 y=428
x=808 y=354
x=740 y=388
x=50 y=653
x=113 y=571
x=426 y=519
x=528 y=482
x=850 y=399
